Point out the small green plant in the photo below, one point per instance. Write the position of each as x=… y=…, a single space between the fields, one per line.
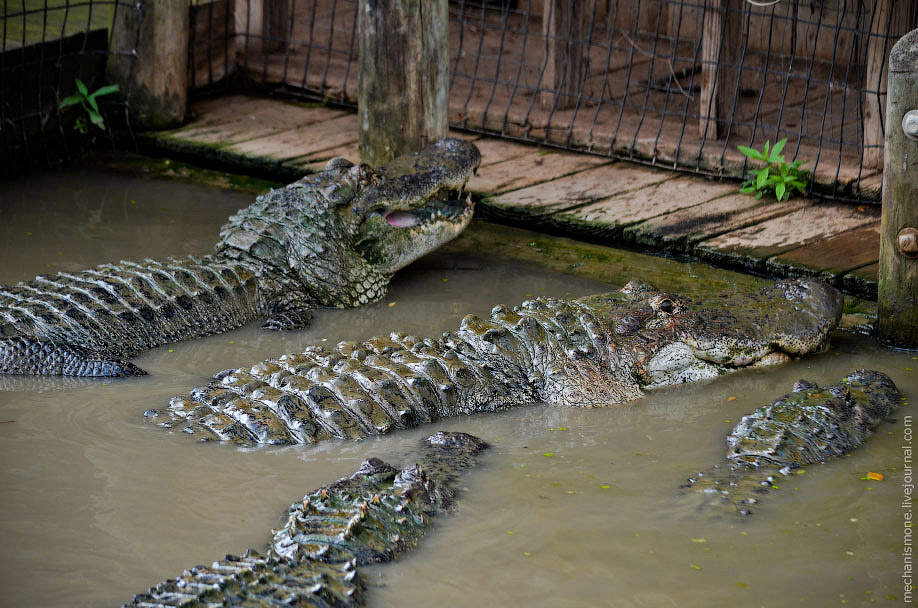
x=88 y=101
x=777 y=176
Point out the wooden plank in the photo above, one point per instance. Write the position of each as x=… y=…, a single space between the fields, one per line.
x=608 y=217
x=750 y=247
x=681 y=230
x=831 y=258
x=537 y=166
x=237 y=118
x=301 y=141
x=495 y=150
x=544 y=199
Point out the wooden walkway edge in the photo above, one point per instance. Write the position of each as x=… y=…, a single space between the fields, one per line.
x=611 y=202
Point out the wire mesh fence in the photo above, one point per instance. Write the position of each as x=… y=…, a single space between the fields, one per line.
x=47 y=46
x=675 y=83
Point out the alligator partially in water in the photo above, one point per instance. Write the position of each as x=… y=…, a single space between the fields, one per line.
x=331 y=239
x=369 y=517
x=593 y=351
x=808 y=425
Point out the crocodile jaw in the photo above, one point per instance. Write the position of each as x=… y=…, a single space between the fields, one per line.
x=406 y=205
x=677 y=363
x=394 y=240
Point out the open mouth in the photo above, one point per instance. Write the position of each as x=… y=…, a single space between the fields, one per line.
x=434 y=211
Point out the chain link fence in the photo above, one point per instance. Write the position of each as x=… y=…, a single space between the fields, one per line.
x=46 y=47
x=674 y=83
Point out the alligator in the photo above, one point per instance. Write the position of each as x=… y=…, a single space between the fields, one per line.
x=593 y=351
x=331 y=239
x=808 y=425
x=370 y=517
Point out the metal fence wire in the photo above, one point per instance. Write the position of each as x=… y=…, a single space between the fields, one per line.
x=675 y=83
x=46 y=46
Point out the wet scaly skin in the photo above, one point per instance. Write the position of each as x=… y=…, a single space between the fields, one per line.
x=331 y=239
x=595 y=351
x=372 y=516
x=808 y=425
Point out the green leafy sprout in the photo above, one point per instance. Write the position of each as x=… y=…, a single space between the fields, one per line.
x=777 y=176
x=88 y=101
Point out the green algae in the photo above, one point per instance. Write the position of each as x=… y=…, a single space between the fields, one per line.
x=164 y=167
x=597 y=262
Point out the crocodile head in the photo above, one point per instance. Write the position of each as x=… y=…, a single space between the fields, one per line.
x=812 y=424
x=720 y=333
x=611 y=346
x=342 y=232
x=406 y=207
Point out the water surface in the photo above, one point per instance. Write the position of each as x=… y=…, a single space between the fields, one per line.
x=98 y=505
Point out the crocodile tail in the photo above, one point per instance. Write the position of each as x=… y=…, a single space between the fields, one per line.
x=352 y=391
x=24 y=355
x=369 y=517
x=115 y=311
x=807 y=426
x=545 y=350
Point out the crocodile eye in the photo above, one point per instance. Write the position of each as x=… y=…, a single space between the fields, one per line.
x=667 y=306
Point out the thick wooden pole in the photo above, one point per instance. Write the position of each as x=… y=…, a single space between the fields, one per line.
x=897 y=304
x=157 y=87
x=404 y=83
x=721 y=52
x=564 y=24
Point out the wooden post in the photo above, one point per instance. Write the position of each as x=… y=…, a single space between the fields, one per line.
x=564 y=25
x=897 y=303
x=157 y=87
x=721 y=52
x=250 y=26
x=895 y=15
x=402 y=102
x=277 y=24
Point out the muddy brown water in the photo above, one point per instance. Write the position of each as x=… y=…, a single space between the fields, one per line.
x=572 y=507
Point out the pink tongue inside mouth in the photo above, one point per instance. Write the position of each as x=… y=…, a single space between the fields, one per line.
x=402 y=219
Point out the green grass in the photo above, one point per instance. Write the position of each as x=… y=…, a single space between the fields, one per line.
x=57 y=21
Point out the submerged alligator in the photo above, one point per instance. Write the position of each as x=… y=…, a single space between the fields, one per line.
x=807 y=426
x=331 y=239
x=371 y=516
x=593 y=351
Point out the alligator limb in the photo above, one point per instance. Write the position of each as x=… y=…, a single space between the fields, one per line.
x=594 y=351
x=369 y=517
x=331 y=239
x=807 y=426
